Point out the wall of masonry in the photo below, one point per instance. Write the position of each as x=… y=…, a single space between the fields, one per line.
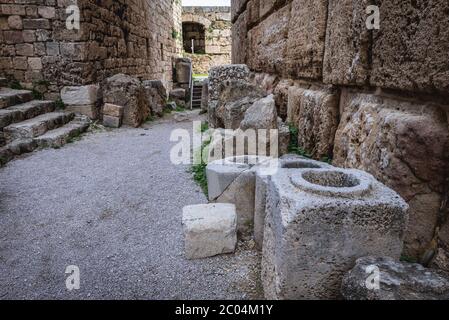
x=369 y=99
x=133 y=37
x=217 y=23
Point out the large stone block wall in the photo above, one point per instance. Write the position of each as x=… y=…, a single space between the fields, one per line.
x=133 y=37
x=217 y=25
x=375 y=100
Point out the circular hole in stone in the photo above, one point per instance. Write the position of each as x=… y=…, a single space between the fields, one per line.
x=333 y=179
x=299 y=165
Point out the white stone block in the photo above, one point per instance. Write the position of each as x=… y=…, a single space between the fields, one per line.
x=82 y=95
x=209 y=230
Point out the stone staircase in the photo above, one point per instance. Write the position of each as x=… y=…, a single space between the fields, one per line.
x=197 y=95
x=27 y=124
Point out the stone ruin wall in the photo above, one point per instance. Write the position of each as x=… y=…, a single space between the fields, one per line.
x=132 y=37
x=373 y=100
x=217 y=23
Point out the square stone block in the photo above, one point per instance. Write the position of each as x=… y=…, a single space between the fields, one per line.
x=319 y=222
x=112 y=110
x=209 y=230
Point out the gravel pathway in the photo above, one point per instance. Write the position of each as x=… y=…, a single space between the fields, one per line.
x=110 y=204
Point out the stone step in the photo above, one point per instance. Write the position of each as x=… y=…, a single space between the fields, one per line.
x=10 y=97
x=59 y=137
x=3 y=82
x=24 y=111
x=37 y=126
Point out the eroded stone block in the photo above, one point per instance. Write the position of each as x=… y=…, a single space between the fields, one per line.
x=403 y=147
x=397 y=281
x=126 y=91
x=287 y=162
x=306 y=38
x=347 y=58
x=267 y=43
x=318 y=222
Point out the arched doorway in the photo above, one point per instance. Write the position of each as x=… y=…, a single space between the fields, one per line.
x=194 y=32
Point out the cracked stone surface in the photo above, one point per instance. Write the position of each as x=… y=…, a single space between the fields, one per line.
x=111 y=204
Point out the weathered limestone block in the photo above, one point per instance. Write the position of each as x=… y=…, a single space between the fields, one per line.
x=317 y=122
x=253 y=8
x=403 y=147
x=294 y=96
x=235 y=98
x=232 y=180
x=397 y=280
x=318 y=222
x=112 y=110
x=183 y=66
x=286 y=162
x=283 y=137
x=128 y=92
x=411 y=51
x=205 y=95
x=209 y=230
x=81 y=95
x=266 y=6
x=240 y=39
x=267 y=43
x=306 y=38
x=346 y=58
x=112 y=115
x=441 y=259
x=261 y=115
x=90 y=110
x=157 y=96
x=281 y=97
